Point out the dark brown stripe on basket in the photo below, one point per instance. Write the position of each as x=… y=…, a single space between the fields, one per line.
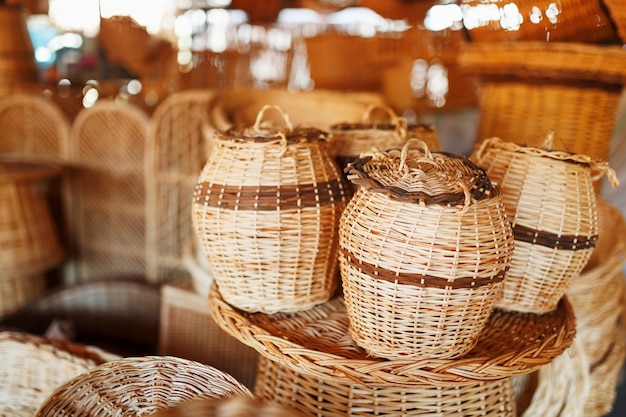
x=552 y=240
x=426 y=281
x=269 y=198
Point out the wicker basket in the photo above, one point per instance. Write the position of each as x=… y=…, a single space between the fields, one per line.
x=266 y=212
x=551 y=203
x=617 y=12
x=537 y=20
x=33 y=367
x=425 y=244
x=17 y=291
x=136 y=386
x=329 y=398
x=229 y=407
x=350 y=140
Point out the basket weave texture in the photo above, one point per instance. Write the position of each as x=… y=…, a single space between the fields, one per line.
x=266 y=213
x=229 y=407
x=317 y=342
x=33 y=367
x=425 y=244
x=329 y=397
x=137 y=386
x=550 y=200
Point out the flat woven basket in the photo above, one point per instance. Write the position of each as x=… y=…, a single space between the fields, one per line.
x=34 y=366
x=329 y=398
x=425 y=244
x=137 y=386
x=229 y=407
x=266 y=213
x=550 y=200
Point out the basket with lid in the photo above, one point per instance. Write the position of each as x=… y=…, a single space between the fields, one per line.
x=424 y=246
x=552 y=205
x=379 y=128
x=266 y=213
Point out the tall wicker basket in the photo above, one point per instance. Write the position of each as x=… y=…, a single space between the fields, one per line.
x=266 y=213
x=550 y=199
x=425 y=244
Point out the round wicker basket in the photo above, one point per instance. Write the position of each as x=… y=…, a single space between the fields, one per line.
x=137 y=386
x=229 y=407
x=425 y=244
x=266 y=213
x=329 y=398
x=550 y=200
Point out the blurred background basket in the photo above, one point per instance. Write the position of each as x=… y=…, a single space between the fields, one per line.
x=266 y=212
x=424 y=246
x=136 y=386
x=550 y=201
x=329 y=398
x=34 y=366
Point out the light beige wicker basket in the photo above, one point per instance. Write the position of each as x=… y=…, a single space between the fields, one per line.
x=266 y=212
x=137 y=386
x=550 y=200
x=229 y=407
x=425 y=244
x=34 y=366
x=317 y=342
x=329 y=398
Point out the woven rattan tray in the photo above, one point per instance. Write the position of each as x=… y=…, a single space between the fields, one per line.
x=317 y=342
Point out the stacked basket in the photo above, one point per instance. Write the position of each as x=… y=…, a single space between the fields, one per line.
x=266 y=212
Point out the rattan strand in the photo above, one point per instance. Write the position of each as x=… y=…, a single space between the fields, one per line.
x=107 y=148
x=327 y=397
x=136 y=386
x=551 y=203
x=176 y=149
x=317 y=342
x=266 y=212
x=33 y=367
x=229 y=407
x=420 y=277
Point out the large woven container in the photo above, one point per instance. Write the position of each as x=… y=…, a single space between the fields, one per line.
x=229 y=407
x=266 y=213
x=138 y=386
x=34 y=366
x=425 y=244
x=17 y=56
x=323 y=397
x=550 y=199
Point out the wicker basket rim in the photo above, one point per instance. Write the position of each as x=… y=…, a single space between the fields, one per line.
x=547 y=336
x=246 y=135
x=362 y=126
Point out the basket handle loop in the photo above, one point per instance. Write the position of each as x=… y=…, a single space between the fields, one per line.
x=399 y=122
x=428 y=156
x=601 y=168
x=259 y=126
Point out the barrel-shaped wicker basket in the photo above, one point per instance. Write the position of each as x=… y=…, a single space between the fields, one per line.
x=266 y=213
x=550 y=199
x=425 y=244
x=229 y=407
x=137 y=386
x=329 y=398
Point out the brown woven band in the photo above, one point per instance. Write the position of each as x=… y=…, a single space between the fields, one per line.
x=420 y=280
x=270 y=198
x=552 y=240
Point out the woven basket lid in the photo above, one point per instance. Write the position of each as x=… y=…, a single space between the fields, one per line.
x=267 y=130
x=598 y=167
x=418 y=175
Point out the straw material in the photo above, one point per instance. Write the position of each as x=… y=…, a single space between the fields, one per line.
x=229 y=407
x=317 y=342
x=266 y=212
x=109 y=206
x=176 y=150
x=324 y=397
x=319 y=108
x=551 y=203
x=29 y=243
x=187 y=330
x=425 y=244
x=137 y=386
x=538 y=20
x=33 y=367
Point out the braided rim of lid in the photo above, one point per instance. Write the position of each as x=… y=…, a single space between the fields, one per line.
x=263 y=131
x=420 y=176
x=598 y=167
